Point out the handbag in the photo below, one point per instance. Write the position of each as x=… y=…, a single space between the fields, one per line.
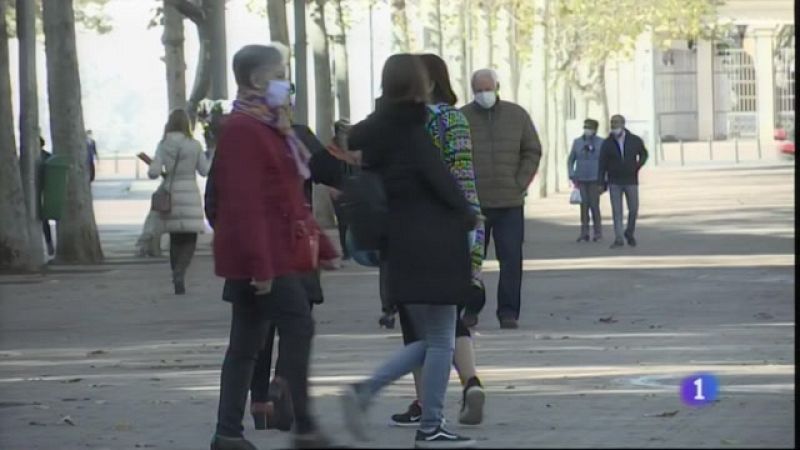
x=161 y=200
x=575 y=197
x=305 y=245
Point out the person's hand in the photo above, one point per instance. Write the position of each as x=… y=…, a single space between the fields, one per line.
x=263 y=287
x=330 y=264
x=335 y=193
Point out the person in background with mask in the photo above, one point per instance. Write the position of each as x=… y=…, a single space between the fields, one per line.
x=583 y=167
x=506 y=153
x=259 y=170
x=622 y=156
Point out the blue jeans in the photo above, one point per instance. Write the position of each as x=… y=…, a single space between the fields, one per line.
x=507 y=226
x=435 y=326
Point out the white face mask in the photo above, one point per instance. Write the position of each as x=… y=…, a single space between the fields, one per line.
x=616 y=132
x=278 y=92
x=486 y=99
x=588 y=132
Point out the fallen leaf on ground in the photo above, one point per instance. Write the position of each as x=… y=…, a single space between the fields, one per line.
x=664 y=414
x=96 y=352
x=510 y=387
x=727 y=442
x=123 y=427
x=34 y=423
x=764 y=316
x=68 y=420
x=73 y=380
x=609 y=319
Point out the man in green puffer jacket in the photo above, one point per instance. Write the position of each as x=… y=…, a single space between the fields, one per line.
x=506 y=153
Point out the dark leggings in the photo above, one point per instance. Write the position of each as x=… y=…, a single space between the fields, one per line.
x=287 y=308
x=181 y=251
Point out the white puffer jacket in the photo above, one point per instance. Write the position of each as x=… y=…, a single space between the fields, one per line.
x=186 y=215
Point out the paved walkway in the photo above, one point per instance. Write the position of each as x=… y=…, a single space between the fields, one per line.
x=105 y=357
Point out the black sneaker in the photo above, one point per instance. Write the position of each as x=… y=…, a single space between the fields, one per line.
x=472 y=402
x=469 y=320
x=410 y=418
x=617 y=244
x=441 y=438
x=583 y=239
x=631 y=240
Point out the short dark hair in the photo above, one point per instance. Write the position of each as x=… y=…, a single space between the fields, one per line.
x=438 y=74
x=591 y=123
x=250 y=58
x=404 y=79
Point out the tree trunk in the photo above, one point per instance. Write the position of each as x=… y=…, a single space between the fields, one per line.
x=602 y=95
x=323 y=208
x=547 y=70
x=215 y=13
x=341 y=65
x=173 y=57
x=300 y=63
x=401 y=40
x=322 y=72
x=513 y=57
x=30 y=147
x=15 y=250
x=439 y=28
x=490 y=26
x=78 y=240
x=278 y=25
x=464 y=43
x=202 y=77
x=556 y=149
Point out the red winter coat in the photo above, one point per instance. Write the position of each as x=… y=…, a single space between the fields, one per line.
x=258 y=195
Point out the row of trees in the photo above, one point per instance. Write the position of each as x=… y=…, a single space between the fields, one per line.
x=580 y=36
x=20 y=225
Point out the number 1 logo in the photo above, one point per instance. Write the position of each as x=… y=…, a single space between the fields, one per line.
x=699 y=389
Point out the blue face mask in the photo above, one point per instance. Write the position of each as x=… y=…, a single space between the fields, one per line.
x=277 y=93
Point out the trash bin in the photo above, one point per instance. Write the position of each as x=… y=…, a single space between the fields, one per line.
x=54 y=186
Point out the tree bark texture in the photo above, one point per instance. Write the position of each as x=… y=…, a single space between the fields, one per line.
x=14 y=234
x=78 y=240
x=215 y=13
x=173 y=39
x=278 y=24
x=341 y=64
x=30 y=148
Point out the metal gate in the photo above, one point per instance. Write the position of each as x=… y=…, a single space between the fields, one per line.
x=676 y=94
x=735 y=95
x=784 y=88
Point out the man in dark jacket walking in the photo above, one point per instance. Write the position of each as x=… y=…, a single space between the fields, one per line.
x=622 y=156
x=506 y=153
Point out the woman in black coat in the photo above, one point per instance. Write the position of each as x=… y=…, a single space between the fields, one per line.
x=426 y=248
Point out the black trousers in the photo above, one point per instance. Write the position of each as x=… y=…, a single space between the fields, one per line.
x=181 y=252
x=287 y=307
x=507 y=226
x=259 y=386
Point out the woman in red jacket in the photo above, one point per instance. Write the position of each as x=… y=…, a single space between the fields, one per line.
x=264 y=239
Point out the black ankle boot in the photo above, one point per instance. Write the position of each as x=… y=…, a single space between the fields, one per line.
x=228 y=443
x=180 y=288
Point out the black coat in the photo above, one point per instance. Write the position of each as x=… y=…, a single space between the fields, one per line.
x=613 y=170
x=427 y=251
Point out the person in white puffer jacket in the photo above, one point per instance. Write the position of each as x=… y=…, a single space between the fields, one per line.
x=180 y=157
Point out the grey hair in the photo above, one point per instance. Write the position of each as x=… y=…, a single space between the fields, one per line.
x=491 y=73
x=252 y=57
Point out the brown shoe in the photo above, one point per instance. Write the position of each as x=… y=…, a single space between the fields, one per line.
x=282 y=416
x=508 y=323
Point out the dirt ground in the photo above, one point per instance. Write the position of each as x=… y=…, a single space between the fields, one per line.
x=105 y=357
